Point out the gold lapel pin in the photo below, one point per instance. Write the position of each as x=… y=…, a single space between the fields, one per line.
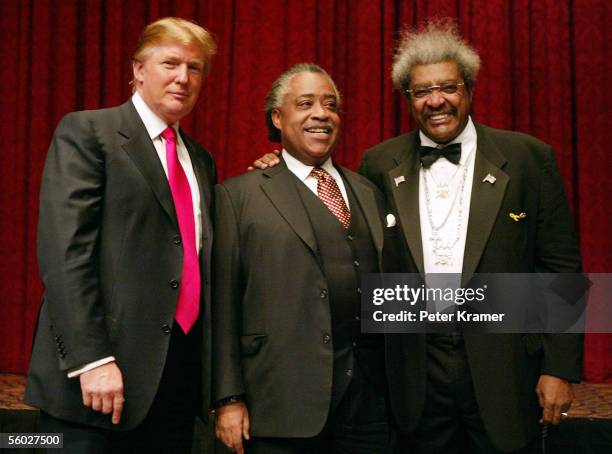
x=516 y=217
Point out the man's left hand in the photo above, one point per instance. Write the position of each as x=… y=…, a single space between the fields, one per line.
x=555 y=395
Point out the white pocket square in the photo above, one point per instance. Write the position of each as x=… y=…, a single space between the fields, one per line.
x=390 y=220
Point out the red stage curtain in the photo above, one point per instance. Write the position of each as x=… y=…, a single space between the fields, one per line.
x=545 y=72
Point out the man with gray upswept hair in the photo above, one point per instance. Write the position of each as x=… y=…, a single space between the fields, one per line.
x=453 y=183
x=437 y=42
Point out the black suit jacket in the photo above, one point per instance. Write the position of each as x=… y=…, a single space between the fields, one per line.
x=505 y=367
x=109 y=250
x=271 y=315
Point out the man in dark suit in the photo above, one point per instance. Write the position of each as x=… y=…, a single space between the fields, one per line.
x=453 y=185
x=124 y=246
x=291 y=371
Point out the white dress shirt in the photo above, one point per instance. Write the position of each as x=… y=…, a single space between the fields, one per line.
x=444 y=172
x=302 y=171
x=155 y=126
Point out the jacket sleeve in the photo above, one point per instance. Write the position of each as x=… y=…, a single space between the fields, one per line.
x=557 y=251
x=70 y=214
x=227 y=301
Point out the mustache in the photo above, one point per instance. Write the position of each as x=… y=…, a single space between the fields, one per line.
x=427 y=112
x=325 y=124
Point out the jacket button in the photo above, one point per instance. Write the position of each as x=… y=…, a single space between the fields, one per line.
x=349 y=237
x=356 y=264
x=357 y=317
x=358 y=290
x=176 y=239
x=323 y=294
x=349 y=373
x=62 y=355
x=174 y=283
x=326 y=339
x=166 y=329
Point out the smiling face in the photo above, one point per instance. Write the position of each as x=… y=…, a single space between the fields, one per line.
x=169 y=79
x=440 y=116
x=308 y=118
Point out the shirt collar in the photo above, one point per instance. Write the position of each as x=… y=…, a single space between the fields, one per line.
x=154 y=125
x=301 y=170
x=467 y=139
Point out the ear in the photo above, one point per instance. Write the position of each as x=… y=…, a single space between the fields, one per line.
x=276 y=119
x=138 y=69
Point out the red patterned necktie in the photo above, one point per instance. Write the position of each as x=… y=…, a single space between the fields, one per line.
x=188 y=304
x=329 y=193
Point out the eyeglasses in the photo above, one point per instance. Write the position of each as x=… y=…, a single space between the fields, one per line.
x=446 y=88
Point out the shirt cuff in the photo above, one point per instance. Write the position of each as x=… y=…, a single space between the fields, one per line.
x=87 y=367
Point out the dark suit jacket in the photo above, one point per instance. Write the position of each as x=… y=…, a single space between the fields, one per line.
x=109 y=248
x=505 y=367
x=270 y=312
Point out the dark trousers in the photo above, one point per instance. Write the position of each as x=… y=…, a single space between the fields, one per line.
x=169 y=424
x=451 y=422
x=359 y=425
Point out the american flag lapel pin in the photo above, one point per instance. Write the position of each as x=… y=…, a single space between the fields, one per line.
x=489 y=179
x=399 y=180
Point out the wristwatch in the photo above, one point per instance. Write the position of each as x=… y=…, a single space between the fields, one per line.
x=228 y=400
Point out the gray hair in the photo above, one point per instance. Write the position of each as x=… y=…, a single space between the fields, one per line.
x=277 y=93
x=438 y=41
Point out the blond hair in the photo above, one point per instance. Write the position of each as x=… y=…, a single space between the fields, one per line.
x=174 y=30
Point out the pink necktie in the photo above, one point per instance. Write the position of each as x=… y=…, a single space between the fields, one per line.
x=329 y=193
x=188 y=304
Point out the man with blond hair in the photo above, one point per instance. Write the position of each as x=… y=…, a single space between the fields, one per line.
x=121 y=358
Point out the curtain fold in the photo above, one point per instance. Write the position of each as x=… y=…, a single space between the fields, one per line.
x=545 y=71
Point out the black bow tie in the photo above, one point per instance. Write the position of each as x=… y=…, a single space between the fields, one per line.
x=429 y=155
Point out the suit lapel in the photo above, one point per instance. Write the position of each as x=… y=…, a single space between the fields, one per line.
x=204 y=179
x=280 y=188
x=403 y=185
x=486 y=198
x=140 y=149
x=365 y=198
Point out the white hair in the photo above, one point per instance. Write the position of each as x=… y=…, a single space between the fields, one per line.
x=436 y=42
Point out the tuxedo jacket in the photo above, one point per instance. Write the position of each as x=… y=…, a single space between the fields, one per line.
x=504 y=367
x=110 y=258
x=271 y=316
